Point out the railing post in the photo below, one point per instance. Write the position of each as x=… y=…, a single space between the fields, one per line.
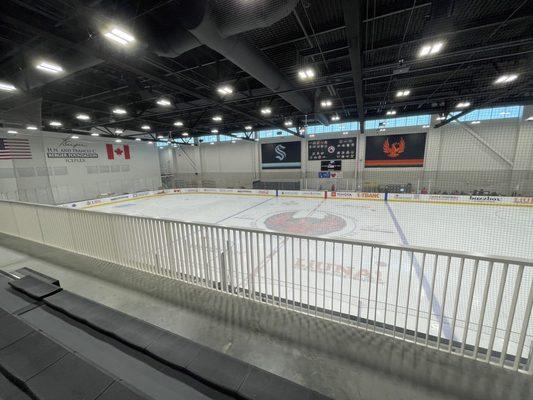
x=223 y=279
x=40 y=226
x=72 y=235
x=530 y=359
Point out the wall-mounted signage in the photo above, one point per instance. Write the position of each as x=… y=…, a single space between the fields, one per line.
x=395 y=150
x=334 y=165
x=284 y=155
x=331 y=149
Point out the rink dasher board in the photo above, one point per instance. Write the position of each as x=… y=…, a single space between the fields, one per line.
x=413 y=198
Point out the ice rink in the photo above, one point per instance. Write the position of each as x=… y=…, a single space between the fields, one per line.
x=431 y=292
x=490 y=230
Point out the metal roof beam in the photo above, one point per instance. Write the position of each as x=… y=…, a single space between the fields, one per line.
x=130 y=63
x=510 y=92
x=353 y=21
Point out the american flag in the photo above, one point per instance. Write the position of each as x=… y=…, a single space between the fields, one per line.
x=15 y=149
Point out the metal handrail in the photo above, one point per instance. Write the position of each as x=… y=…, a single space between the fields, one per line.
x=480 y=307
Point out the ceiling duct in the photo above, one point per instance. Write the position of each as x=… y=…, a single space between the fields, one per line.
x=199 y=24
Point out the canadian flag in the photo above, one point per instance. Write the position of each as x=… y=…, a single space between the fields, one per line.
x=118 y=151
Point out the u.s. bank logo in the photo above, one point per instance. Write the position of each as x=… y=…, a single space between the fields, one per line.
x=280 y=151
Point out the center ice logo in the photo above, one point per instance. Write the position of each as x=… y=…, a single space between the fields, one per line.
x=319 y=224
x=280 y=151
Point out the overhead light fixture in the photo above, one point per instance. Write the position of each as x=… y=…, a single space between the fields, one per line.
x=326 y=103
x=529 y=118
x=13 y=132
x=178 y=123
x=441 y=118
x=119 y=36
x=74 y=137
x=345 y=133
x=212 y=143
x=185 y=134
x=49 y=67
x=225 y=90
x=391 y=112
x=150 y=142
x=266 y=111
x=214 y=130
x=7 y=87
x=382 y=129
x=248 y=127
x=475 y=122
x=164 y=102
x=306 y=74
x=506 y=79
x=312 y=135
x=335 y=118
x=55 y=123
x=95 y=134
x=31 y=127
x=463 y=104
x=83 y=117
x=217 y=118
x=425 y=126
x=160 y=137
x=119 y=111
x=118 y=141
x=403 y=93
x=430 y=49
x=233 y=141
x=118 y=131
x=137 y=139
x=145 y=127
x=288 y=123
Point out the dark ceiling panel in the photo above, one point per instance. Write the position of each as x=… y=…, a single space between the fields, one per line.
x=483 y=38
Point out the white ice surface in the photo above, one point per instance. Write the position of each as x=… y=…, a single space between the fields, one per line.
x=491 y=230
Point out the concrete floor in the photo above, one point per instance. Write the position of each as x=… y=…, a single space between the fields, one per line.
x=337 y=360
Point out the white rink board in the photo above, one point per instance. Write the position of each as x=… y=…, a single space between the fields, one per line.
x=362 y=282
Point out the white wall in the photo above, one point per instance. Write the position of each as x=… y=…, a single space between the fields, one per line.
x=454 y=160
x=47 y=179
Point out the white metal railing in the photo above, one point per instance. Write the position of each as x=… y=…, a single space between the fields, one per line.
x=467 y=304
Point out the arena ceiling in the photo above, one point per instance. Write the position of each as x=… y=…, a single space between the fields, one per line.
x=362 y=55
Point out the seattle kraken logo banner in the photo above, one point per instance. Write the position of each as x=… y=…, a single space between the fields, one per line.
x=395 y=150
x=284 y=155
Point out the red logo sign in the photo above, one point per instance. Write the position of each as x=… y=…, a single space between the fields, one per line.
x=395 y=149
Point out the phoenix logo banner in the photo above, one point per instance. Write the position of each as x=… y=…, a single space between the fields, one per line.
x=395 y=150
